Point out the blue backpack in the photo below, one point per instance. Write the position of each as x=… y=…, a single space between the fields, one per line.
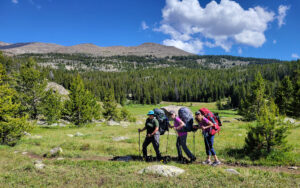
x=163 y=121
x=186 y=116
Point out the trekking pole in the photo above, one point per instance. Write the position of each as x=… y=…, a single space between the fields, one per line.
x=139 y=143
x=167 y=143
x=194 y=144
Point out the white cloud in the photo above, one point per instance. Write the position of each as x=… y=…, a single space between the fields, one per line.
x=194 y=46
x=282 y=9
x=15 y=1
x=295 y=56
x=144 y=25
x=225 y=24
x=274 y=41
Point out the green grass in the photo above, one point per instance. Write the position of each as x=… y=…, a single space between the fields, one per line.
x=17 y=170
x=20 y=172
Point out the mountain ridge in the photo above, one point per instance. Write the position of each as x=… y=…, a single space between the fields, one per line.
x=143 y=49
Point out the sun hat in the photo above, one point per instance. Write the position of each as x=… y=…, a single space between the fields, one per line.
x=151 y=112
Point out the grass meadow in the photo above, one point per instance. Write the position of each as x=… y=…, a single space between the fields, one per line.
x=85 y=161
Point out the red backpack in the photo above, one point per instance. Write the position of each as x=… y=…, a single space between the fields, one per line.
x=214 y=118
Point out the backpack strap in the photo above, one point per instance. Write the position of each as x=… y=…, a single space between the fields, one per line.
x=210 y=116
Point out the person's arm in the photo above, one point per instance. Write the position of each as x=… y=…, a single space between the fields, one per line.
x=141 y=130
x=155 y=130
x=196 y=126
x=210 y=124
x=152 y=134
x=181 y=124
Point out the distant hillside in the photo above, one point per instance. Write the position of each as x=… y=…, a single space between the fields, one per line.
x=153 y=49
x=3 y=44
x=125 y=63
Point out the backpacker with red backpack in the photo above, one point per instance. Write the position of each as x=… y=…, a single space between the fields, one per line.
x=214 y=118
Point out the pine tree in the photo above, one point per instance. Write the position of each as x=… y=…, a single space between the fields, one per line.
x=219 y=105
x=110 y=111
x=296 y=94
x=31 y=87
x=284 y=96
x=52 y=106
x=81 y=107
x=12 y=125
x=254 y=100
x=268 y=134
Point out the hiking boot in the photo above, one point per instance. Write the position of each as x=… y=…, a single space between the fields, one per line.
x=193 y=159
x=179 y=158
x=159 y=158
x=148 y=159
x=182 y=160
x=216 y=163
x=207 y=162
x=144 y=158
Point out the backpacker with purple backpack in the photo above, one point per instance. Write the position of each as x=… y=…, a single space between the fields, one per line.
x=186 y=116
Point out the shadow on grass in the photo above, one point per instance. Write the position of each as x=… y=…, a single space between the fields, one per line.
x=164 y=159
x=237 y=153
x=240 y=153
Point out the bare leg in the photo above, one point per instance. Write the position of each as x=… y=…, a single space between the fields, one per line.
x=208 y=158
x=216 y=158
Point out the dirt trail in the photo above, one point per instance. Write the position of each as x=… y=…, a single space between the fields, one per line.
x=278 y=169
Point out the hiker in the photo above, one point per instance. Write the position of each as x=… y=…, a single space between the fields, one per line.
x=181 y=139
x=163 y=121
x=186 y=116
x=152 y=136
x=206 y=126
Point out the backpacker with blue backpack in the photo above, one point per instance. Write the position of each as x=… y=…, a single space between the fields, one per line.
x=186 y=116
x=163 y=121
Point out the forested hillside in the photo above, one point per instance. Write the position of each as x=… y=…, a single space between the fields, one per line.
x=150 y=80
x=84 y=62
x=150 y=86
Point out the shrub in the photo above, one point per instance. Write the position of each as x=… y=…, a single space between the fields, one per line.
x=126 y=115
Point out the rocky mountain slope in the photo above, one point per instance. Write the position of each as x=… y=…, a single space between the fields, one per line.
x=153 y=49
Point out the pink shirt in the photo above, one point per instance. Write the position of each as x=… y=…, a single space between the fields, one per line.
x=176 y=124
x=204 y=122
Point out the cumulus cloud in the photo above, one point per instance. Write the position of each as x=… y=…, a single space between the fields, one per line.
x=282 y=9
x=215 y=25
x=194 y=46
x=295 y=56
x=15 y=1
x=144 y=25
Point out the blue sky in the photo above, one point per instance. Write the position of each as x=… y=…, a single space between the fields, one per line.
x=256 y=28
